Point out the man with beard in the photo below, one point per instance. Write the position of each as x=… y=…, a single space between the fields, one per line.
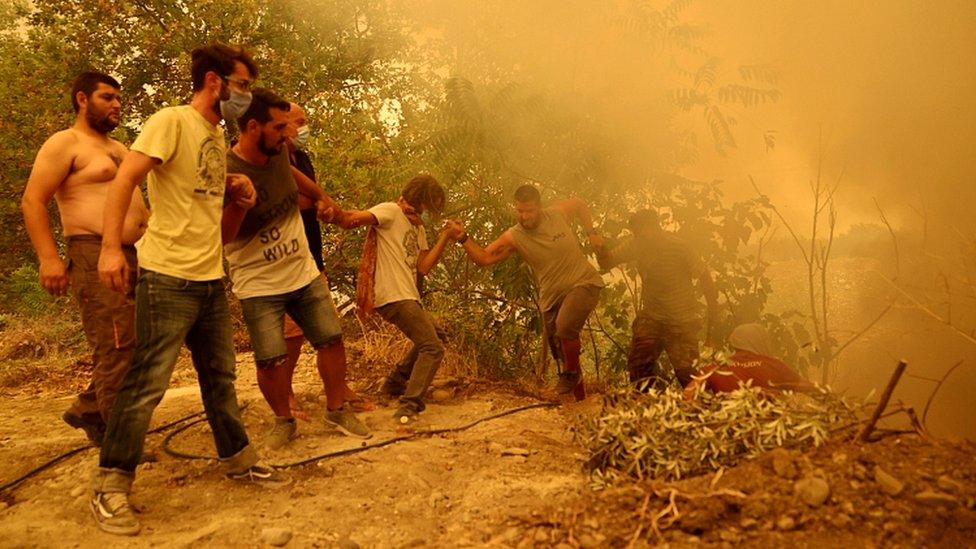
x=273 y=273
x=179 y=294
x=308 y=196
x=569 y=286
x=75 y=167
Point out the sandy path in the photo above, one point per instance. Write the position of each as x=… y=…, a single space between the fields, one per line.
x=448 y=490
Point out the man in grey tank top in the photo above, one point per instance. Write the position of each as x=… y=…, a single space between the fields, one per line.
x=569 y=286
x=668 y=318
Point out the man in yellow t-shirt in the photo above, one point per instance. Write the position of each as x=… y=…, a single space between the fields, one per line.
x=179 y=294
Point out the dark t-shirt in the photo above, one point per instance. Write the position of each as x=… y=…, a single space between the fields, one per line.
x=277 y=192
x=269 y=255
x=313 y=230
x=666 y=266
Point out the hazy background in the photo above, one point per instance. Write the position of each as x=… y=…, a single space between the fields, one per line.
x=892 y=86
x=624 y=103
x=882 y=95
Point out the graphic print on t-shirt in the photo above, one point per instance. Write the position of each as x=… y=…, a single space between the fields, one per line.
x=210 y=168
x=275 y=248
x=412 y=247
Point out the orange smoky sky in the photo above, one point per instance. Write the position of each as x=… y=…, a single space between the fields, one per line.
x=889 y=88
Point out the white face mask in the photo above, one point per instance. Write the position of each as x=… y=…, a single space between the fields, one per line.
x=235 y=106
x=301 y=137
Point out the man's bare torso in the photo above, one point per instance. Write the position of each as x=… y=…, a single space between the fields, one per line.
x=81 y=196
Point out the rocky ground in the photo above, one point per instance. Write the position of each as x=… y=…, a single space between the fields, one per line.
x=897 y=492
x=454 y=489
x=514 y=481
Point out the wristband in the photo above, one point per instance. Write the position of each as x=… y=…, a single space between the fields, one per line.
x=463 y=239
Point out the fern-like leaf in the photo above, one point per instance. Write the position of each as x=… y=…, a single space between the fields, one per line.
x=747 y=95
x=705 y=76
x=766 y=73
x=721 y=128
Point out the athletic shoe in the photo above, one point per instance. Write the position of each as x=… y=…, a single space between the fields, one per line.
x=346 y=422
x=406 y=413
x=567 y=382
x=94 y=430
x=284 y=430
x=262 y=476
x=114 y=514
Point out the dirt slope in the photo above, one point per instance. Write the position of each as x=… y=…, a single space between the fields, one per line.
x=463 y=489
x=453 y=489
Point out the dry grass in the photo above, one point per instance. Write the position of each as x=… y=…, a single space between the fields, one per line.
x=47 y=348
x=381 y=346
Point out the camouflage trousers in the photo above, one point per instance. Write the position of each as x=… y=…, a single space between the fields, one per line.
x=651 y=337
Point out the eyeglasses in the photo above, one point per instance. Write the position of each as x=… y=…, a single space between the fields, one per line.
x=243 y=85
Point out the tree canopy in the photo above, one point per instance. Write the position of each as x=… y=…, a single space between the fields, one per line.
x=469 y=95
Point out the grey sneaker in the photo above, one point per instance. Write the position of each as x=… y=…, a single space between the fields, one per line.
x=346 y=422
x=285 y=429
x=262 y=476
x=114 y=514
x=567 y=382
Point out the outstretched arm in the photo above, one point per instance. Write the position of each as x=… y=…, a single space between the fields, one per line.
x=328 y=209
x=575 y=207
x=113 y=269
x=496 y=252
x=429 y=258
x=622 y=253
x=51 y=167
x=350 y=219
x=306 y=186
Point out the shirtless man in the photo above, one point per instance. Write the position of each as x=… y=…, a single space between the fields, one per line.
x=75 y=166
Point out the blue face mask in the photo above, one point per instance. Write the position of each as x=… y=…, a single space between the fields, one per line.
x=235 y=106
x=301 y=137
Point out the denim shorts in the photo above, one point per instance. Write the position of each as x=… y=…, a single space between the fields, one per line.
x=311 y=307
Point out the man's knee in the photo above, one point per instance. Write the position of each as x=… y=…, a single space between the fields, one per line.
x=432 y=348
x=329 y=342
x=266 y=364
x=567 y=331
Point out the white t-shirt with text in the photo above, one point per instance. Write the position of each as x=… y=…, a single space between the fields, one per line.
x=398 y=246
x=270 y=255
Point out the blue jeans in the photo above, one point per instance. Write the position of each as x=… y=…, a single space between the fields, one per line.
x=169 y=312
x=310 y=306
